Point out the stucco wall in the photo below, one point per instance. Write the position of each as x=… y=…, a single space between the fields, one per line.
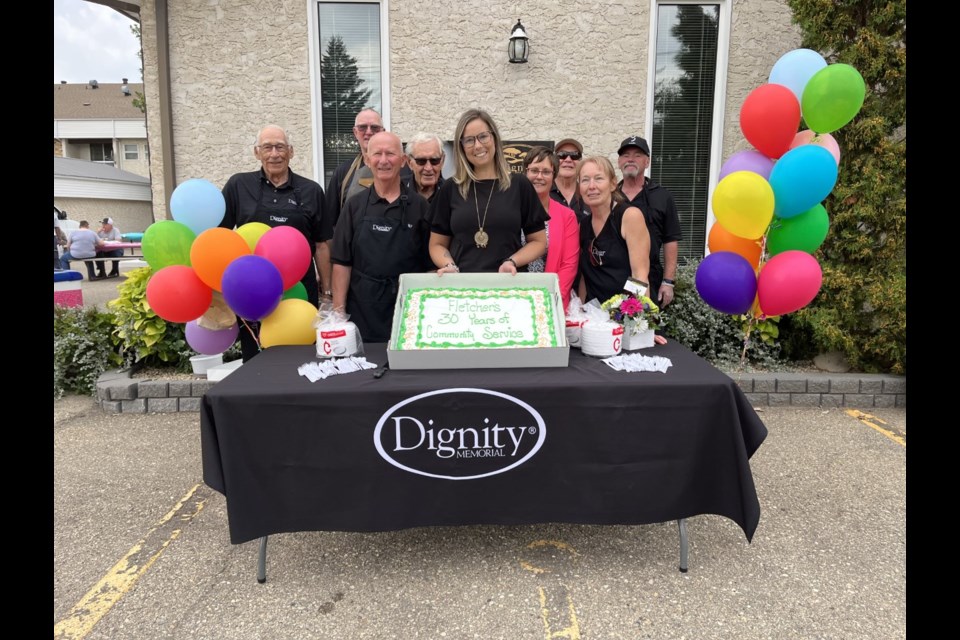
x=239 y=64
x=128 y=215
x=139 y=166
x=151 y=92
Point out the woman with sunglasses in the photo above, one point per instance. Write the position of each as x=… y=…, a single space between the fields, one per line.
x=562 y=231
x=479 y=213
x=614 y=241
x=565 y=191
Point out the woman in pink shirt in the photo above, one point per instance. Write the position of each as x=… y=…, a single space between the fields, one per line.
x=563 y=230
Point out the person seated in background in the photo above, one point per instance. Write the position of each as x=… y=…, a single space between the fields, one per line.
x=83 y=244
x=108 y=232
x=59 y=240
x=563 y=229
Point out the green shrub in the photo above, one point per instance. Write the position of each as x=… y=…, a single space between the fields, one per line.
x=82 y=349
x=714 y=336
x=144 y=337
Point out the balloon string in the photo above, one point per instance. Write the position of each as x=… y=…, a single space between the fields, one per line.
x=253 y=334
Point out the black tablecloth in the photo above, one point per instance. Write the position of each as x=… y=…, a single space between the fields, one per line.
x=593 y=445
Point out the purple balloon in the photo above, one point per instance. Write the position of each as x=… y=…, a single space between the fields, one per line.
x=749 y=160
x=727 y=282
x=210 y=342
x=252 y=287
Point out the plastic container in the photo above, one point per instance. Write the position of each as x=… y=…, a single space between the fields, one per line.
x=201 y=363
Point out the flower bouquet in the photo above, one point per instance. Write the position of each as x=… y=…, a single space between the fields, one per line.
x=639 y=317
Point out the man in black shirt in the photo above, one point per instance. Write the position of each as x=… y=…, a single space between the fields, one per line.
x=382 y=233
x=276 y=196
x=659 y=211
x=425 y=158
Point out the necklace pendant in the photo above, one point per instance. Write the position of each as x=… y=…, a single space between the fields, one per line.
x=481 y=238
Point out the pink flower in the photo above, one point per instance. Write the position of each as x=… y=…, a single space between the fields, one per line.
x=631 y=306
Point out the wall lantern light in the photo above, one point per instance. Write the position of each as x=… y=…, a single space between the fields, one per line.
x=519 y=47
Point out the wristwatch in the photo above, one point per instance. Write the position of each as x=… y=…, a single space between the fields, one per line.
x=515 y=266
x=668 y=281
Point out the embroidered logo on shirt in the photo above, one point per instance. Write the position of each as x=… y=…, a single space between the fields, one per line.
x=278 y=219
x=291 y=201
x=378 y=227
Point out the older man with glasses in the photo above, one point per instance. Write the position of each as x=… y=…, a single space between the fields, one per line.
x=565 y=189
x=425 y=158
x=353 y=176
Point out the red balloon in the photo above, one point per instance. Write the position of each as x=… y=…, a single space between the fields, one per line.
x=788 y=281
x=177 y=294
x=289 y=252
x=769 y=119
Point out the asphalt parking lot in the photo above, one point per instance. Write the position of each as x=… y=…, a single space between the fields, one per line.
x=141 y=550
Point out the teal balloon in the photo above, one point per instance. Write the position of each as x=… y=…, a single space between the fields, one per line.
x=805 y=232
x=167 y=243
x=832 y=98
x=296 y=291
x=198 y=204
x=801 y=179
x=795 y=68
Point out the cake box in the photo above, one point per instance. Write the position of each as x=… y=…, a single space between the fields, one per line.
x=480 y=358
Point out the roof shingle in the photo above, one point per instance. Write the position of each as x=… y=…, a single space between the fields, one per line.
x=80 y=101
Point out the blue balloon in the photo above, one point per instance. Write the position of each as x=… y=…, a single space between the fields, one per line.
x=252 y=287
x=198 y=204
x=795 y=68
x=727 y=282
x=801 y=179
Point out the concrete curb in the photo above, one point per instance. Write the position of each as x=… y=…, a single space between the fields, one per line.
x=117 y=392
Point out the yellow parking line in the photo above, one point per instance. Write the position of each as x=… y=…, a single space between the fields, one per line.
x=559 y=603
x=866 y=418
x=123 y=575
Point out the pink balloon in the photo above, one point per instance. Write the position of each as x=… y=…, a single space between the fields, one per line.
x=788 y=281
x=177 y=294
x=825 y=140
x=289 y=252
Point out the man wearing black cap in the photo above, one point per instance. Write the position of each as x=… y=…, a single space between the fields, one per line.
x=659 y=211
x=108 y=232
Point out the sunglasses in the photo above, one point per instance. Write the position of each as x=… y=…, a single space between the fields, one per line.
x=595 y=258
x=368 y=127
x=422 y=161
x=573 y=155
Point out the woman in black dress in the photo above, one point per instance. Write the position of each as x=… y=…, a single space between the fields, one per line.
x=478 y=214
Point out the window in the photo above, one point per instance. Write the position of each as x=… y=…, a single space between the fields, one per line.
x=350 y=74
x=131 y=152
x=685 y=107
x=101 y=152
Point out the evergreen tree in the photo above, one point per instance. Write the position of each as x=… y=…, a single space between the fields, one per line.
x=861 y=307
x=342 y=98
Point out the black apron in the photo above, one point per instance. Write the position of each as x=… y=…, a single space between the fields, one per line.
x=383 y=248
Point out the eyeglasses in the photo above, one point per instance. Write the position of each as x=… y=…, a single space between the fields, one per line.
x=573 y=155
x=422 y=161
x=585 y=180
x=268 y=148
x=546 y=173
x=482 y=138
x=375 y=128
x=595 y=258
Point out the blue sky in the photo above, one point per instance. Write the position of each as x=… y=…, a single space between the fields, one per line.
x=93 y=42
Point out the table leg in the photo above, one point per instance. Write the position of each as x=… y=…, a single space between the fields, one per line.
x=262 y=561
x=682 y=523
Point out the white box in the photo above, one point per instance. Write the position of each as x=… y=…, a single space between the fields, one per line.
x=557 y=356
x=221 y=371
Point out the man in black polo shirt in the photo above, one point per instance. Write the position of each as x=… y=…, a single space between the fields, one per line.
x=659 y=211
x=276 y=196
x=425 y=158
x=382 y=233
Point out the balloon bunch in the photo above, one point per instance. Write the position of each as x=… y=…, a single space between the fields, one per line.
x=767 y=203
x=207 y=276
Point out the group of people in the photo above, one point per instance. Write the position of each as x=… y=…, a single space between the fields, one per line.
x=84 y=243
x=389 y=211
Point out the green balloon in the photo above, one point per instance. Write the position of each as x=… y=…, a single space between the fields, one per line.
x=296 y=291
x=832 y=97
x=167 y=243
x=804 y=232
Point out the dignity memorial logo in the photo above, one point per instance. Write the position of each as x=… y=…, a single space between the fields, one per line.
x=459 y=434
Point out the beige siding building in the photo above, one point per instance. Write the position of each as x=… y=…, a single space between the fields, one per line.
x=673 y=72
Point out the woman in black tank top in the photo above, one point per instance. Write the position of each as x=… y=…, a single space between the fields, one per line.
x=614 y=242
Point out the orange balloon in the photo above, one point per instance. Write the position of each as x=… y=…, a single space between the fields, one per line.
x=722 y=240
x=213 y=250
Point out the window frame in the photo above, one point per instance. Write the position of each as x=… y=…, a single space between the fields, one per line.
x=316 y=49
x=105 y=145
x=720 y=92
x=126 y=151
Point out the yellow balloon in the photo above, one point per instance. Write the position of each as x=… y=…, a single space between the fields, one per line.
x=251 y=232
x=743 y=204
x=290 y=323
